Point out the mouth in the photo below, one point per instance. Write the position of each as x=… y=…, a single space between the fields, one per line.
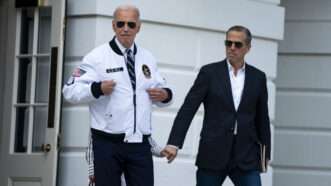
x=231 y=55
x=125 y=35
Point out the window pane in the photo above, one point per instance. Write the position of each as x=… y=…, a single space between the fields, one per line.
x=22 y=125
x=44 y=34
x=39 y=128
x=42 y=80
x=27 y=22
x=24 y=81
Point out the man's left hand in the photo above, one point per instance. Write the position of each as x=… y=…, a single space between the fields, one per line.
x=91 y=180
x=157 y=94
x=170 y=152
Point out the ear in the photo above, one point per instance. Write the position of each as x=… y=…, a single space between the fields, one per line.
x=138 y=26
x=248 y=48
x=114 y=25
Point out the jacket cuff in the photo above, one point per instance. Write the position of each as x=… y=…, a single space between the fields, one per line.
x=173 y=146
x=169 y=95
x=96 y=89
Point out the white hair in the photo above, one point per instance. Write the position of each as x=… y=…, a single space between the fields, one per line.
x=127 y=7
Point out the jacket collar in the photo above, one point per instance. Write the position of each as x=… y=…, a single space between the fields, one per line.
x=117 y=50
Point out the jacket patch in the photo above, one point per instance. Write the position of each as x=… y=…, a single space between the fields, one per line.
x=70 y=81
x=78 y=72
x=146 y=71
x=111 y=70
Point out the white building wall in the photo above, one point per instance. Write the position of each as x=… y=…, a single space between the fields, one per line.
x=303 y=120
x=183 y=35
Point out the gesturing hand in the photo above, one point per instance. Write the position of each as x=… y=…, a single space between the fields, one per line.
x=170 y=152
x=157 y=94
x=107 y=86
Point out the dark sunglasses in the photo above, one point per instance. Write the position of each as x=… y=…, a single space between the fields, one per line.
x=120 y=24
x=237 y=44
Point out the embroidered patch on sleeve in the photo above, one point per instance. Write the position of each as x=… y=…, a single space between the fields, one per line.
x=70 y=81
x=78 y=72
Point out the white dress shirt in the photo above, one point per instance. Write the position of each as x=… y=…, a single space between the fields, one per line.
x=123 y=49
x=237 y=85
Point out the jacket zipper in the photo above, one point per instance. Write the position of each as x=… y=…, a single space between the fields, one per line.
x=134 y=109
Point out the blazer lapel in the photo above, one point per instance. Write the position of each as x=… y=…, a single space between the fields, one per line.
x=248 y=83
x=224 y=76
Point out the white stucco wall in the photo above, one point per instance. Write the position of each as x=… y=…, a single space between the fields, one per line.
x=303 y=122
x=183 y=38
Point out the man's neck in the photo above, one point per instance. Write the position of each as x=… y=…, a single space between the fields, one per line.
x=121 y=46
x=236 y=65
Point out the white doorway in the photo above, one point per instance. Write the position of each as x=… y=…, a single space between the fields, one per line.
x=32 y=96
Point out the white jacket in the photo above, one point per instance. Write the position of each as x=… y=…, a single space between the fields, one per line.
x=115 y=113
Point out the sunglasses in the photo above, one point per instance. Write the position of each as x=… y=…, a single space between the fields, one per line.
x=120 y=24
x=237 y=44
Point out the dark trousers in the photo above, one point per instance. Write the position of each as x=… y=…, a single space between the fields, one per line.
x=113 y=158
x=238 y=178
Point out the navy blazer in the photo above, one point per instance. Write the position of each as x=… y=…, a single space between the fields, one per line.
x=212 y=88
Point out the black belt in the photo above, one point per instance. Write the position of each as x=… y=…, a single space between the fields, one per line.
x=116 y=138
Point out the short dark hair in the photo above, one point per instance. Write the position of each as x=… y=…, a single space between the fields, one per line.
x=240 y=28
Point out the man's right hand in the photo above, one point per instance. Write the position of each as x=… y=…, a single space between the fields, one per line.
x=107 y=86
x=91 y=180
x=170 y=152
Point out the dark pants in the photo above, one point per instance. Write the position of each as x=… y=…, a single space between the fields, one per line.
x=238 y=178
x=113 y=158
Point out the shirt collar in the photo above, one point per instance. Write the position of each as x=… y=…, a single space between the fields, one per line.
x=121 y=47
x=230 y=67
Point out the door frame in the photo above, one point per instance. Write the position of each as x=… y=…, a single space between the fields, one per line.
x=3 y=42
x=6 y=109
x=9 y=55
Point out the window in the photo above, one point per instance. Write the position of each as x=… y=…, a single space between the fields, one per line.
x=32 y=71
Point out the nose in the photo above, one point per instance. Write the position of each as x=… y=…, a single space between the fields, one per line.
x=232 y=46
x=126 y=27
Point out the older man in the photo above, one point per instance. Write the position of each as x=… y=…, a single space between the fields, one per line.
x=120 y=82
